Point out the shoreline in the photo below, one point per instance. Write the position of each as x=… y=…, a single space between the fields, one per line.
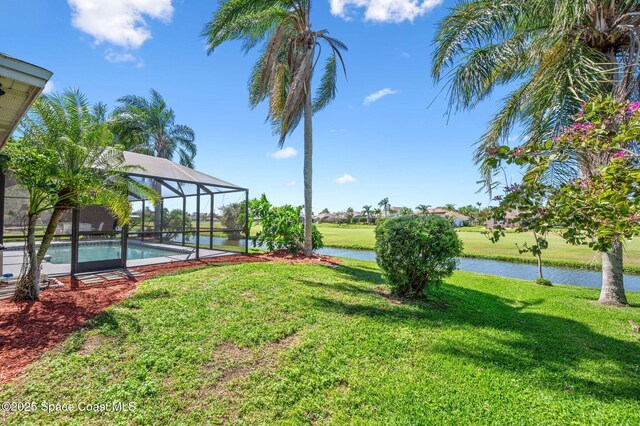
x=630 y=270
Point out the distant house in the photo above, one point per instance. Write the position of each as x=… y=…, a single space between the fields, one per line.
x=510 y=220
x=326 y=218
x=458 y=219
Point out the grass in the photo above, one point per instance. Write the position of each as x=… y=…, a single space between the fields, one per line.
x=361 y=237
x=277 y=343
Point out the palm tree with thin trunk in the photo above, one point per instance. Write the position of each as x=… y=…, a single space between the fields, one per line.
x=384 y=205
x=148 y=126
x=366 y=210
x=284 y=71
x=559 y=53
x=423 y=208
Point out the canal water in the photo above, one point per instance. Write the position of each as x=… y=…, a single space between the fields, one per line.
x=571 y=276
x=557 y=275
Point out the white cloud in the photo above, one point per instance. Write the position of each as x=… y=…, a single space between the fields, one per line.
x=377 y=95
x=290 y=183
x=344 y=179
x=118 y=57
x=337 y=130
x=120 y=22
x=49 y=88
x=405 y=55
x=284 y=153
x=384 y=10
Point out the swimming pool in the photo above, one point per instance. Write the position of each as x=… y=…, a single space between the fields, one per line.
x=90 y=252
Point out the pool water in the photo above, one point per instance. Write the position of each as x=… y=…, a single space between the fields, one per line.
x=89 y=252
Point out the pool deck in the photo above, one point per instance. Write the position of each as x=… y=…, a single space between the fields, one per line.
x=11 y=259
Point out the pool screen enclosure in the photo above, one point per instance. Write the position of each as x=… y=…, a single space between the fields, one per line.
x=198 y=216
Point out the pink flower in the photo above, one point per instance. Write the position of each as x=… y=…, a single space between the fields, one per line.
x=633 y=107
x=511 y=188
x=619 y=154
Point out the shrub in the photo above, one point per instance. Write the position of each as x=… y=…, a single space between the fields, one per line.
x=543 y=281
x=281 y=227
x=416 y=252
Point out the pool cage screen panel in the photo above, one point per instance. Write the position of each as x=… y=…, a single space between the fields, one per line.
x=199 y=216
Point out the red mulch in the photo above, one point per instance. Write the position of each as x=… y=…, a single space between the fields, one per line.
x=27 y=329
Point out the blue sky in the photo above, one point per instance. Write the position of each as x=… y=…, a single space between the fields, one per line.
x=399 y=145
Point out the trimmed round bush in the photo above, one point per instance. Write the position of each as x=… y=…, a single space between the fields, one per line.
x=417 y=252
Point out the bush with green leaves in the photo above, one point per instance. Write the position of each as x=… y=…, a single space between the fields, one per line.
x=416 y=252
x=282 y=227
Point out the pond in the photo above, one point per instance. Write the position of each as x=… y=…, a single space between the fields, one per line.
x=557 y=275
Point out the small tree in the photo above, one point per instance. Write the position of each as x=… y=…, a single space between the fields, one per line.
x=65 y=159
x=531 y=203
x=281 y=227
x=233 y=219
x=366 y=210
x=416 y=252
x=349 y=214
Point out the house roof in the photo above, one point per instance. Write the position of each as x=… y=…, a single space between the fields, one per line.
x=445 y=212
x=22 y=83
x=164 y=169
x=456 y=214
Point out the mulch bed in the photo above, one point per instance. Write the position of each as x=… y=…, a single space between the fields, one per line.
x=28 y=329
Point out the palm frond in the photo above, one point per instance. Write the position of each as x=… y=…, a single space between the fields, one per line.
x=327 y=90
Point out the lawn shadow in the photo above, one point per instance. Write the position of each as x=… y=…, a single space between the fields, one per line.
x=549 y=346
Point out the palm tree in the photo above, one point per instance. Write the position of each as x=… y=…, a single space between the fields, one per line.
x=384 y=205
x=406 y=211
x=366 y=210
x=284 y=71
x=560 y=53
x=376 y=212
x=148 y=126
x=423 y=208
x=65 y=159
x=450 y=207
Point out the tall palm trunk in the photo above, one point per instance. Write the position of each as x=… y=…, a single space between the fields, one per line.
x=612 y=292
x=308 y=173
x=28 y=285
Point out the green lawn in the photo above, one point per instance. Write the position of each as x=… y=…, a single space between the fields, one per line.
x=476 y=244
x=277 y=343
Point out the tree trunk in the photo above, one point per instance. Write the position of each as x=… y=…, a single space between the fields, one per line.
x=538 y=255
x=612 y=292
x=540 y=266
x=28 y=285
x=308 y=174
x=49 y=233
